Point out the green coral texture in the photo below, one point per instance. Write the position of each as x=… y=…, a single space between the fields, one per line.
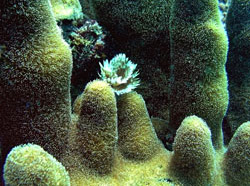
x=198 y=56
x=31 y=165
x=109 y=139
x=66 y=9
x=238 y=64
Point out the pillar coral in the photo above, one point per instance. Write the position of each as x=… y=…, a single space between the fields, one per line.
x=198 y=56
x=97 y=134
x=238 y=63
x=37 y=168
x=137 y=138
x=35 y=72
x=140 y=29
x=193 y=160
x=237 y=157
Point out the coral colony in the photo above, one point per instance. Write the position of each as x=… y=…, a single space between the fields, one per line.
x=172 y=124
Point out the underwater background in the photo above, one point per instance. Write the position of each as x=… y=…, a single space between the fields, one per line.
x=125 y=92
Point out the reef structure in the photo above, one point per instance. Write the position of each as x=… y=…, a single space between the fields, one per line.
x=35 y=71
x=107 y=140
x=238 y=63
x=198 y=55
x=136 y=28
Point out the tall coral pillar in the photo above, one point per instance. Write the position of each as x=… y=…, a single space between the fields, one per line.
x=198 y=56
x=238 y=63
x=35 y=71
x=97 y=134
x=137 y=138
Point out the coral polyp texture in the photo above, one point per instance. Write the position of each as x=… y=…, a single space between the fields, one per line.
x=193 y=161
x=66 y=9
x=31 y=165
x=238 y=63
x=134 y=121
x=113 y=143
x=109 y=139
x=198 y=56
x=97 y=126
x=35 y=72
x=237 y=157
x=120 y=74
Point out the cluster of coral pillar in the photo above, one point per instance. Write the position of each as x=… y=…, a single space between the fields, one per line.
x=35 y=72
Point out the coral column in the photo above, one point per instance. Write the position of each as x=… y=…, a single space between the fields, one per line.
x=238 y=63
x=97 y=133
x=137 y=138
x=198 y=55
x=193 y=160
x=237 y=157
x=35 y=71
